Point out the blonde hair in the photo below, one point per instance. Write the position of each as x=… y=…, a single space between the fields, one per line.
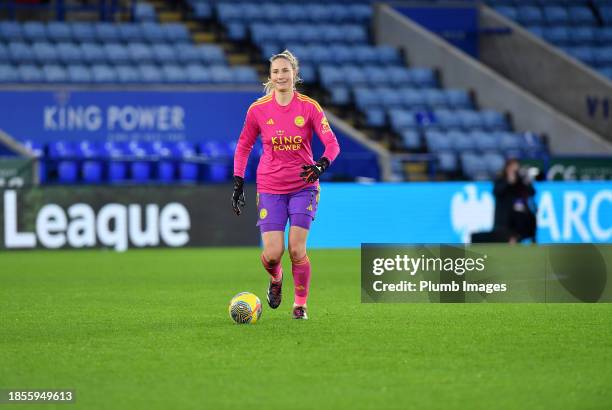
x=295 y=65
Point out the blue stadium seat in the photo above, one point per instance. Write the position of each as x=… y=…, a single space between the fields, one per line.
x=603 y=35
x=423 y=77
x=130 y=32
x=399 y=76
x=10 y=31
x=127 y=74
x=34 y=31
x=447 y=119
x=163 y=53
x=115 y=154
x=93 y=53
x=484 y=141
x=493 y=120
x=221 y=74
x=103 y=74
x=244 y=75
x=460 y=141
x=411 y=139
x=388 y=55
x=320 y=54
x=508 y=12
x=83 y=32
x=53 y=73
x=236 y=31
x=176 y=33
x=8 y=74
x=583 y=36
x=150 y=74
x=140 y=166
x=584 y=54
x=557 y=35
x=29 y=73
x=185 y=53
x=21 y=53
x=211 y=54
x=117 y=53
x=218 y=155
x=58 y=31
x=447 y=161
x=470 y=119
x=140 y=53
x=144 y=12
x=107 y=32
x=64 y=156
x=79 y=74
x=438 y=141
x=366 y=98
x=458 y=99
x=530 y=15
x=198 y=74
x=375 y=76
x=555 y=15
x=473 y=166
x=581 y=15
x=45 y=53
x=603 y=56
x=434 y=98
x=353 y=75
x=413 y=99
x=91 y=165
x=69 y=53
x=308 y=73
x=4 y=53
x=152 y=32
x=494 y=162
x=390 y=98
x=174 y=74
x=401 y=120
x=508 y=141
x=343 y=54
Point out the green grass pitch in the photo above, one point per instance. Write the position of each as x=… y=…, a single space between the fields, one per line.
x=149 y=330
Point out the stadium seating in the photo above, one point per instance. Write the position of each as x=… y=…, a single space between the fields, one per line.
x=102 y=53
x=581 y=28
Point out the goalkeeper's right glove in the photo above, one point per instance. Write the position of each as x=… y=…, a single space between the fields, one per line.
x=238 y=200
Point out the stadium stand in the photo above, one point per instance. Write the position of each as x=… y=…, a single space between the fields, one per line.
x=338 y=58
x=581 y=28
x=403 y=107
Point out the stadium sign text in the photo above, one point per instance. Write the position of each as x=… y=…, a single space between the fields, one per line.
x=115 y=225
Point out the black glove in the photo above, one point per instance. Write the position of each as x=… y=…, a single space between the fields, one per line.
x=238 y=200
x=312 y=172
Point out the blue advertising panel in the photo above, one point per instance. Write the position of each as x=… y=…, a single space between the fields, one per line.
x=120 y=115
x=351 y=214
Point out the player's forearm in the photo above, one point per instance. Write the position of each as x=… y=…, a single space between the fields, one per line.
x=332 y=148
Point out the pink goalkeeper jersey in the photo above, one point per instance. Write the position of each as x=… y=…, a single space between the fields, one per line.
x=286 y=134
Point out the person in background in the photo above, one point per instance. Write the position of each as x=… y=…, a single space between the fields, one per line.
x=515 y=216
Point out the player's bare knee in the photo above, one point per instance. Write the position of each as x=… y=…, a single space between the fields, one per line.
x=273 y=256
x=297 y=253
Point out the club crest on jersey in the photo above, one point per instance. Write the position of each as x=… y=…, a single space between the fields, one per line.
x=299 y=121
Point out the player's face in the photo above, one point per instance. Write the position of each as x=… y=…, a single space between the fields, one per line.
x=282 y=75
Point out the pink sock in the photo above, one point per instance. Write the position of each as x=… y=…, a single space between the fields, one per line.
x=276 y=271
x=301 y=279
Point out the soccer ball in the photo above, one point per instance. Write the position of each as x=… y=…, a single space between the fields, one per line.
x=245 y=307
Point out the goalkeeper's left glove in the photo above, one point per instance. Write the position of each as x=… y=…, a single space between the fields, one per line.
x=312 y=172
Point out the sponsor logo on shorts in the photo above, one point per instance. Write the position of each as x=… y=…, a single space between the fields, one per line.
x=263 y=213
x=299 y=121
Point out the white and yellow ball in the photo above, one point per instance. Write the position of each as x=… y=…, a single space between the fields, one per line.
x=245 y=307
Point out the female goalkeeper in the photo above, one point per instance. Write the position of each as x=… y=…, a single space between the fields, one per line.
x=287 y=176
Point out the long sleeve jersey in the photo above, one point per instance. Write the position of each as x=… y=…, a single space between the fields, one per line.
x=286 y=134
